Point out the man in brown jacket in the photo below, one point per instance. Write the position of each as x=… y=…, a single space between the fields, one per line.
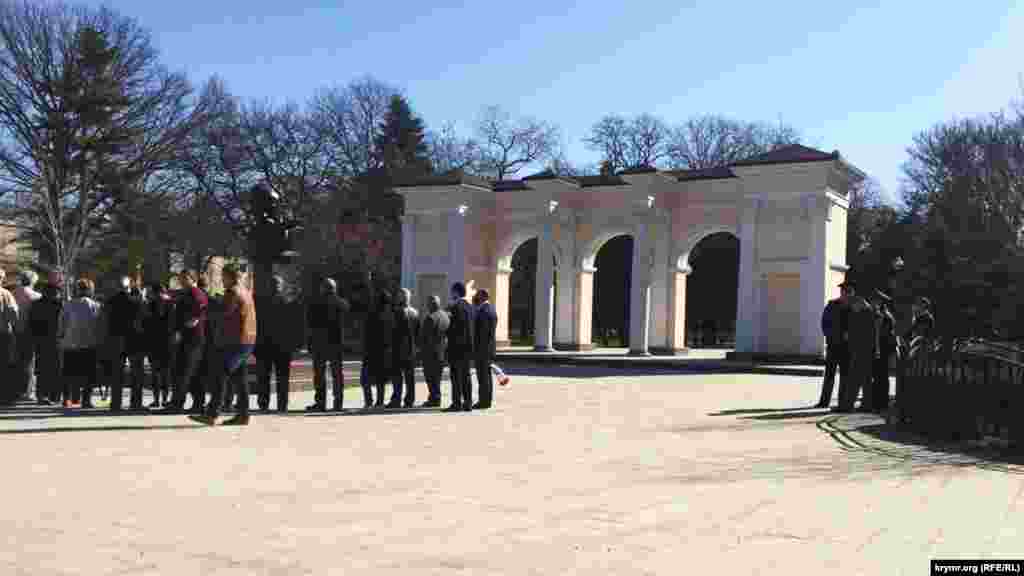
x=238 y=336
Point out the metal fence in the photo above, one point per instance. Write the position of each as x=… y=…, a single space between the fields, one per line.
x=962 y=389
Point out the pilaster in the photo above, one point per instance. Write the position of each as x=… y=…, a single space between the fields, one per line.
x=544 y=284
x=748 y=292
x=814 y=279
x=566 y=309
x=501 y=303
x=409 y=252
x=456 y=244
x=677 y=311
x=640 y=285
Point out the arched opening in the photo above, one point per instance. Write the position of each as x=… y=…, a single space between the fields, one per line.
x=522 y=301
x=610 y=321
x=711 y=291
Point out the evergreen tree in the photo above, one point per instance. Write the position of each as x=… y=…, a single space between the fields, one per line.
x=401 y=142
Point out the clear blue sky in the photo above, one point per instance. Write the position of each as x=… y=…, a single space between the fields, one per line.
x=860 y=79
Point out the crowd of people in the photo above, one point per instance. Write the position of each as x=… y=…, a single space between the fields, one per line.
x=861 y=342
x=199 y=345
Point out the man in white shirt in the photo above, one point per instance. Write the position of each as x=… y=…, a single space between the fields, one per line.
x=25 y=295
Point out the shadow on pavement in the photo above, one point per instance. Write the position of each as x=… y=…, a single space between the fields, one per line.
x=99 y=429
x=583 y=371
x=872 y=435
x=742 y=411
x=788 y=415
x=375 y=412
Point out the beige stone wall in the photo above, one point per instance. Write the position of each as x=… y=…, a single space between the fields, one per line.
x=431 y=239
x=780 y=307
x=782 y=232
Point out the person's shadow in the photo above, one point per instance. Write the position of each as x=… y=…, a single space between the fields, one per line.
x=117 y=428
x=748 y=411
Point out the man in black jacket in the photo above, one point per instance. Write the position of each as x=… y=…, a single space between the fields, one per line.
x=44 y=326
x=326 y=321
x=484 y=325
x=123 y=336
x=833 y=326
x=279 y=335
x=862 y=342
x=406 y=334
x=433 y=343
x=460 y=349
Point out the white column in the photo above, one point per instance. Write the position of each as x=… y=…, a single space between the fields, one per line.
x=660 y=285
x=677 y=309
x=456 y=246
x=545 y=289
x=409 y=252
x=501 y=300
x=812 y=281
x=747 y=311
x=565 y=328
x=640 y=291
x=583 y=324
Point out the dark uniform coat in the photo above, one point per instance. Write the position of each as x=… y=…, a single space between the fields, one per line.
x=433 y=337
x=406 y=335
x=460 y=331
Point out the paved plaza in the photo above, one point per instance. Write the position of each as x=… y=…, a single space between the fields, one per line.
x=576 y=470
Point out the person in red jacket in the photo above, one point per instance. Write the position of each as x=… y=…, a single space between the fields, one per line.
x=191 y=326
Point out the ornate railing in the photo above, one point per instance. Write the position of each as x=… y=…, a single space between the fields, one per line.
x=962 y=389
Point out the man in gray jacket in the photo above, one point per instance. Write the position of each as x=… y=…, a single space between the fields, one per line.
x=433 y=342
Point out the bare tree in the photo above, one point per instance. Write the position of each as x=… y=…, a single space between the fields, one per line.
x=351 y=117
x=637 y=142
x=289 y=150
x=448 y=151
x=610 y=137
x=217 y=162
x=709 y=141
x=508 y=145
x=88 y=117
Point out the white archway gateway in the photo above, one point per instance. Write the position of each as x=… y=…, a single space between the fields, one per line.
x=787 y=207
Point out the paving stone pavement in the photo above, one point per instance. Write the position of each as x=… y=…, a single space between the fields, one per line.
x=574 y=471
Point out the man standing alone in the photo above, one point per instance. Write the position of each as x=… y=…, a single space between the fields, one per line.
x=484 y=326
x=433 y=342
x=460 y=349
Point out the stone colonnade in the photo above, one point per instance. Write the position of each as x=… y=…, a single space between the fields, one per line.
x=789 y=218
